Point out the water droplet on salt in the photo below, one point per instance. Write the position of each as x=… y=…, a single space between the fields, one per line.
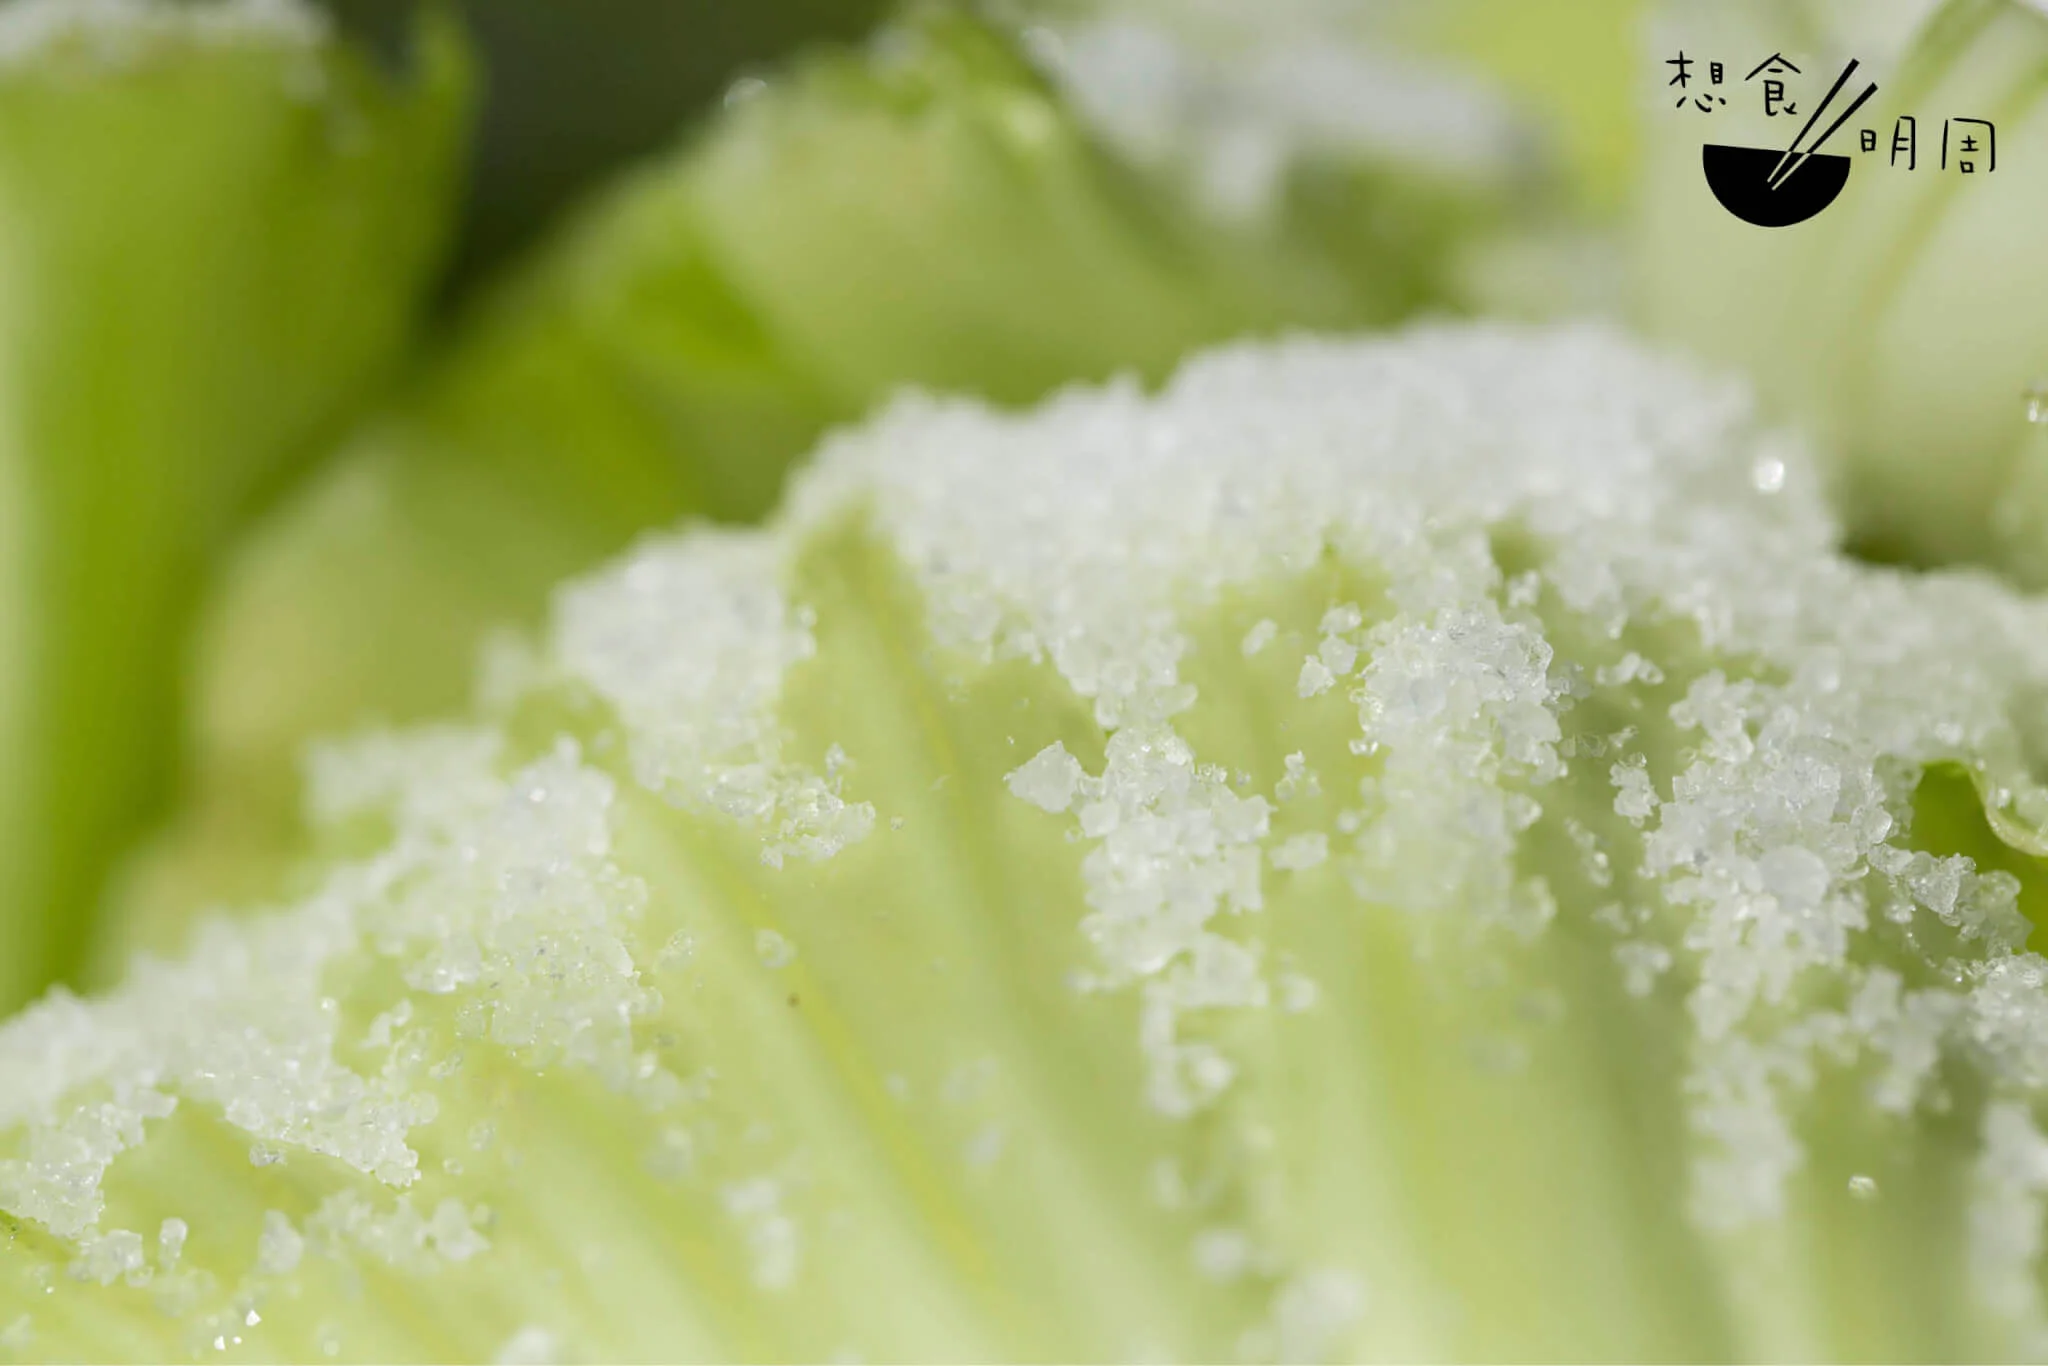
x=773 y=950
x=1045 y=45
x=743 y=90
x=678 y=950
x=985 y=1147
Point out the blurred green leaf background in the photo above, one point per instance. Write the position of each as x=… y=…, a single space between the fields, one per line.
x=573 y=91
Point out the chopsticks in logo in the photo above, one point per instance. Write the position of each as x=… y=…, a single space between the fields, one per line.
x=1797 y=155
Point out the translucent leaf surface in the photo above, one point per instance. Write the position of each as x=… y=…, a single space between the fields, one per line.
x=1415 y=849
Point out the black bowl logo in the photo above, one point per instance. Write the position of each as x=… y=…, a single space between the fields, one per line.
x=1740 y=178
x=1775 y=189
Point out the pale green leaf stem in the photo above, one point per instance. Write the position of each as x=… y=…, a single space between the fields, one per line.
x=1401 y=849
x=215 y=227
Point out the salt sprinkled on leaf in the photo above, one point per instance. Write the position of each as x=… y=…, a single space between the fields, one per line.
x=1693 y=741
x=702 y=719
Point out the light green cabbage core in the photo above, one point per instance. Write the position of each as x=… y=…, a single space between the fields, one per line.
x=1407 y=849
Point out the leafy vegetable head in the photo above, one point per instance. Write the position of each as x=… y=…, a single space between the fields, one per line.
x=1328 y=860
x=1416 y=847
